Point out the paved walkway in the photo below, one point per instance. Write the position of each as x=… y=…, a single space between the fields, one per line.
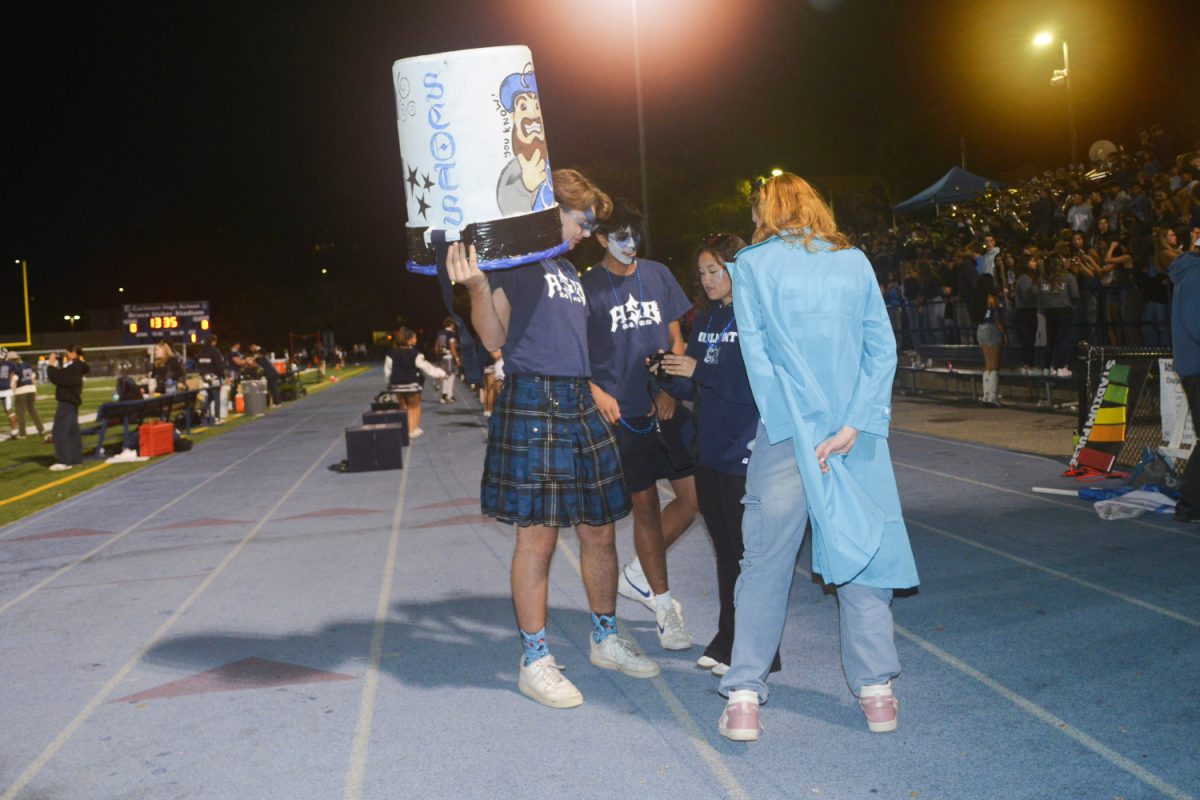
x=241 y=622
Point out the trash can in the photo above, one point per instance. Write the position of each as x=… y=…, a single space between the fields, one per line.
x=255 y=393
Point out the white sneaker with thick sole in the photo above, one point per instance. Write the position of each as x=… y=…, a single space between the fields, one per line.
x=415 y=433
x=633 y=585
x=618 y=653
x=671 y=633
x=59 y=467
x=704 y=662
x=543 y=682
x=720 y=669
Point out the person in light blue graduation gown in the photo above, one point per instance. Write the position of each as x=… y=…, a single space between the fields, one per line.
x=821 y=357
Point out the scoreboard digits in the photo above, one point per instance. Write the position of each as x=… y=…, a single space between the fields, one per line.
x=179 y=322
x=159 y=323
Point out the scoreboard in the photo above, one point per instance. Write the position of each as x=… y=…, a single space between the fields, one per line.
x=146 y=323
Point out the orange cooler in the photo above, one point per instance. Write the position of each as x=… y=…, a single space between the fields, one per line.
x=156 y=438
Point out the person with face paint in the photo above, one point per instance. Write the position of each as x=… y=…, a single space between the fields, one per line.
x=551 y=460
x=634 y=306
x=713 y=375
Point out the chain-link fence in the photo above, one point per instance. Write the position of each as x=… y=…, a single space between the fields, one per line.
x=1144 y=424
x=104 y=362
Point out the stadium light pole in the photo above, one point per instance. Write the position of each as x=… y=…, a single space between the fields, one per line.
x=1063 y=76
x=72 y=318
x=641 y=119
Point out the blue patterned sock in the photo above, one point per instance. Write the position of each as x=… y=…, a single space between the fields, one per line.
x=603 y=626
x=535 y=645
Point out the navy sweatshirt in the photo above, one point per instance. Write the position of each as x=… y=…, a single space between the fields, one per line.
x=726 y=417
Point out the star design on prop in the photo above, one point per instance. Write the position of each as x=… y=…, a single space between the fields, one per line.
x=412 y=177
x=423 y=206
x=428 y=183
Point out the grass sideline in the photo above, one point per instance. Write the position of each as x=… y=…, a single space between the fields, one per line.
x=24 y=462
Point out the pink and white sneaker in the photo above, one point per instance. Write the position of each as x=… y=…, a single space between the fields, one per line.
x=739 y=720
x=880 y=707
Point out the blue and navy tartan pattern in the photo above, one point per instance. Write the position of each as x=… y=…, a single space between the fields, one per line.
x=551 y=459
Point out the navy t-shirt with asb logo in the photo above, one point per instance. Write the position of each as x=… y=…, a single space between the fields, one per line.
x=629 y=319
x=547 y=326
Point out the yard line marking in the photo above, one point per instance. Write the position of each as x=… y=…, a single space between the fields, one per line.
x=52 y=484
x=74 y=725
x=707 y=753
x=1166 y=612
x=1043 y=499
x=1028 y=706
x=86 y=556
x=366 y=709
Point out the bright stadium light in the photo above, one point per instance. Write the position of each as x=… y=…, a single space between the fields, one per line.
x=775 y=173
x=1062 y=77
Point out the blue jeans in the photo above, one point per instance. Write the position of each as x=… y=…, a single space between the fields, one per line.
x=772 y=532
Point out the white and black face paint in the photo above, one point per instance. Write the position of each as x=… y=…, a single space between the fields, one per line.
x=623 y=245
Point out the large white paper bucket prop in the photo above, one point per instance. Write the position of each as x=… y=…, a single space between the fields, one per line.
x=473 y=147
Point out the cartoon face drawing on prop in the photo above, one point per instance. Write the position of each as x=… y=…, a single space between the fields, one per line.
x=476 y=165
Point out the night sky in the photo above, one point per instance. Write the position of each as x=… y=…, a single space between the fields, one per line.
x=192 y=151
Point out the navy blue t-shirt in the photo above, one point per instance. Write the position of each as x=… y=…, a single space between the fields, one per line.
x=547 y=327
x=726 y=416
x=629 y=319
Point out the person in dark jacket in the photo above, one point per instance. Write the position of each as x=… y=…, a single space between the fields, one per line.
x=68 y=391
x=270 y=374
x=1185 y=340
x=711 y=372
x=211 y=366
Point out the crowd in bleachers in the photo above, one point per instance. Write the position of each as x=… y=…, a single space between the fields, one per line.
x=1101 y=234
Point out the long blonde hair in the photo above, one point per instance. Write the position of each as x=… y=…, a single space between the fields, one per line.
x=790 y=208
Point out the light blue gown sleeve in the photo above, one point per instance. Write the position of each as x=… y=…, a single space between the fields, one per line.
x=870 y=409
x=751 y=317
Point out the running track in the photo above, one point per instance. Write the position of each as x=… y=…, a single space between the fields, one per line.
x=241 y=622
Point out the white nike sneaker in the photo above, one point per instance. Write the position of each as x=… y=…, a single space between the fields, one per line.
x=618 y=653
x=543 y=681
x=671 y=633
x=633 y=585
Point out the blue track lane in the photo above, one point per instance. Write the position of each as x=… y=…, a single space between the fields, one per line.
x=241 y=622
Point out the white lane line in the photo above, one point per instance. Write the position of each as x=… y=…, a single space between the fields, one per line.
x=13 y=527
x=1028 y=706
x=74 y=725
x=711 y=757
x=1166 y=612
x=110 y=542
x=1044 y=499
x=366 y=708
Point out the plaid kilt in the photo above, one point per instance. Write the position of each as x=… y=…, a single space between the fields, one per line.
x=551 y=458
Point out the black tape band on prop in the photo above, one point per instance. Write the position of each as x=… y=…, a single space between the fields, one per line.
x=467 y=351
x=499 y=243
